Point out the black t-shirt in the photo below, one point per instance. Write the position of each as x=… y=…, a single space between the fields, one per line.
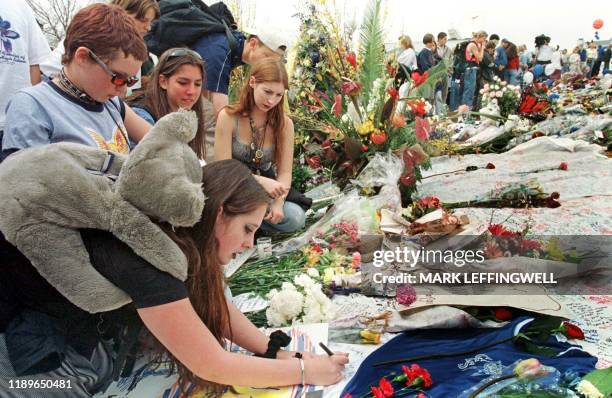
x=22 y=288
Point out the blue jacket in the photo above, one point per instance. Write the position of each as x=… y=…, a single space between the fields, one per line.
x=453 y=375
x=500 y=57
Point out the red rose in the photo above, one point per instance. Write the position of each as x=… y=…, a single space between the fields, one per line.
x=326 y=144
x=347 y=395
x=377 y=392
x=378 y=137
x=490 y=166
x=572 y=331
x=421 y=395
x=563 y=166
x=364 y=148
x=502 y=314
x=386 y=387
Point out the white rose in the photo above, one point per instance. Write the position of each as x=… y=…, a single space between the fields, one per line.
x=587 y=389
x=313 y=273
x=275 y=318
x=303 y=280
x=287 y=286
x=289 y=303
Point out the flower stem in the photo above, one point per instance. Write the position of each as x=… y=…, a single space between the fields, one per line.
x=490 y=383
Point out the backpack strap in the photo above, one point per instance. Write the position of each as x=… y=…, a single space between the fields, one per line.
x=236 y=58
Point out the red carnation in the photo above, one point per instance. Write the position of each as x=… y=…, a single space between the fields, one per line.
x=502 y=314
x=563 y=166
x=386 y=387
x=377 y=392
x=499 y=230
x=490 y=166
x=572 y=331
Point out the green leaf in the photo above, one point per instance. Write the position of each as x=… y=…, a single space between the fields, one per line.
x=437 y=74
x=602 y=379
x=371 y=49
x=525 y=344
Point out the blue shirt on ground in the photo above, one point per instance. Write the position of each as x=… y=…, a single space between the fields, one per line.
x=455 y=374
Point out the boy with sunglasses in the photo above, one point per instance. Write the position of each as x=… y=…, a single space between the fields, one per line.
x=104 y=51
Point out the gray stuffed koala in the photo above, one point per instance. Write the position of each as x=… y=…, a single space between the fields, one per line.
x=51 y=191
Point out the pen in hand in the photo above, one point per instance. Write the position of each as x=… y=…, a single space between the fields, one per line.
x=327 y=350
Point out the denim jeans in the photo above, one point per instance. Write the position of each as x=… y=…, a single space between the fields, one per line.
x=469 y=86
x=511 y=77
x=294 y=219
x=455 y=94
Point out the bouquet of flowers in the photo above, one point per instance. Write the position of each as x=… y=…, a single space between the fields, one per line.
x=301 y=301
x=504 y=95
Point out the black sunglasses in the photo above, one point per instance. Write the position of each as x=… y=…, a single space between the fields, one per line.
x=118 y=79
x=182 y=51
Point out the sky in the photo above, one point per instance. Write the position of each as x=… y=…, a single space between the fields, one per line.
x=518 y=20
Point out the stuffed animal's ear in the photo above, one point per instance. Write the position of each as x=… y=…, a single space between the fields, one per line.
x=191 y=200
x=182 y=124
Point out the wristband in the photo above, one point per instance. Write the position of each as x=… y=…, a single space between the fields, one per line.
x=277 y=340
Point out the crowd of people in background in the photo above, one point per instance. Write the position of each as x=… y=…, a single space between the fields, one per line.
x=101 y=87
x=475 y=62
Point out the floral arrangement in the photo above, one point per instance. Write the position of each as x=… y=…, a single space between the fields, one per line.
x=504 y=95
x=345 y=106
x=299 y=302
x=413 y=380
x=504 y=242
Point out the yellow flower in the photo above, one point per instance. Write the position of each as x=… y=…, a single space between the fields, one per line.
x=366 y=128
x=370 y=337
x=328 y=275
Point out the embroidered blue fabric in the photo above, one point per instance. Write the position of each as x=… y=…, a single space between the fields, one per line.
x=452 y=375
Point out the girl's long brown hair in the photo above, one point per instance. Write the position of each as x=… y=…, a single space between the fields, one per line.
x=271 y=70
x=228 y=185
x=156 y=100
